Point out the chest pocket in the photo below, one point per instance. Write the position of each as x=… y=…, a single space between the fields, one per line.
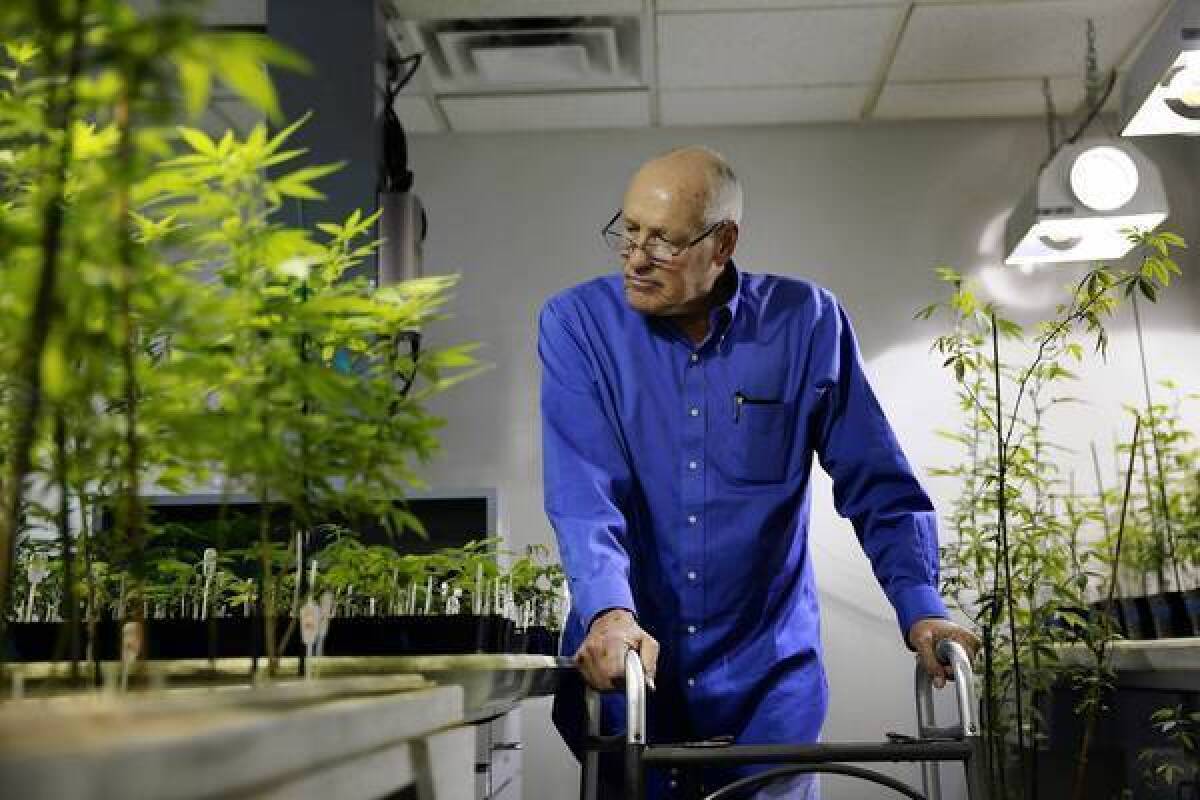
x=757 y=444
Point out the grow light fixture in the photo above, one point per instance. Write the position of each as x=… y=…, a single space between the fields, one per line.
x=1161 y=94
x=1083 y=200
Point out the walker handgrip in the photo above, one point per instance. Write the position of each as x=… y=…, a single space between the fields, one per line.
x=635 y=698
x=949 y=653
x=954 y=655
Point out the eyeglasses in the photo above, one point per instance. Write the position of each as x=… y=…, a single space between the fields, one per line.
x=656 y=248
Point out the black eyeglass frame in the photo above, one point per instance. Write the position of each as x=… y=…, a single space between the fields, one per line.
x=679 y=250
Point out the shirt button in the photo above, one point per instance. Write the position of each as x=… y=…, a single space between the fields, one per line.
x=692 y=465
x=695 y=357
x=691 y=576
x=691 y=681
x=691 y=628
x=692 y=518
x=695 y=412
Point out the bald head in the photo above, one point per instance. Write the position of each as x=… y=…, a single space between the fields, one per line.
x=704 y=185
x=689 y=200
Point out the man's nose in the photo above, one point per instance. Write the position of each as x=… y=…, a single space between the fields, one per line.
x=638 y=261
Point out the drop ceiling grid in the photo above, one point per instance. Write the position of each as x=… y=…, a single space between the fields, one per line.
x=547 y=111
x=956 y=58
x=999 y=41
x=815 y=60
x=975 y=99
x=763 y=106
x=810 y=47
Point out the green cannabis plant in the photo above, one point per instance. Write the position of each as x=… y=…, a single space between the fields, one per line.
x=1024 y=564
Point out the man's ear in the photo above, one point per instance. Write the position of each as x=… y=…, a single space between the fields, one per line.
x=726 y=243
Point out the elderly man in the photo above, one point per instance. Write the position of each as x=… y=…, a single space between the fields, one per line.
x=682 y=402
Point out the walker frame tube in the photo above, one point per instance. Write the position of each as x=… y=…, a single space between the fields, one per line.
x=962 y=742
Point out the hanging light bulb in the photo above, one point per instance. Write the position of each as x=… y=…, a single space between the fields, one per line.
x=1104 y=178
x=1085 y=199
x=1183 y=88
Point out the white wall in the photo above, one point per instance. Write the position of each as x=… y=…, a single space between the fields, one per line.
x=864 y=210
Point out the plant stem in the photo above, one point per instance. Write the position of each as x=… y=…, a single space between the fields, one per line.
x=1094 y=688
x=27 y=394
x=1151 y=419
x=1156 y=528
x=1002 y=521
x=64 y=538
x=1039 y=500
x=85 y=546
x=131 y=517
x=1103 y=501
x=264 y=560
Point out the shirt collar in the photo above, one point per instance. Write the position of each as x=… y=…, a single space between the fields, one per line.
x=729 y=281
x=721 y=316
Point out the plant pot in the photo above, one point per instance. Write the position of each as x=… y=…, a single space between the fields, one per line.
x=227 y=637
x=47 y=641
x=1191 y=602
x=1180 y=621
x=415 y=635
x=1160 y=616
x=166 y=639
x=1096 y=612
x=1168 y=613
x=1135 y=611
x=1098 y=609
x=542 y=641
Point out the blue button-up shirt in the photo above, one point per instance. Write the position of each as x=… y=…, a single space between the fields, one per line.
x=677 y=481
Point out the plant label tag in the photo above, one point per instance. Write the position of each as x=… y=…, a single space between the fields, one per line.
x=310 y=622
x=131 y=641
x=39 y=568
x=326 y=613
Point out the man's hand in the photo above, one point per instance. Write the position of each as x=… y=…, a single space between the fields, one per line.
x=601 y=657
x=924 y=636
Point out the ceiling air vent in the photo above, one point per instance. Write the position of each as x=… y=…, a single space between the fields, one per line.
x=524 y=54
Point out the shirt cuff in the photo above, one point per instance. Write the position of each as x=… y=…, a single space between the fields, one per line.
x=915 y=603
x=590 y=598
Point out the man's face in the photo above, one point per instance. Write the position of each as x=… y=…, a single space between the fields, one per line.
x=664 y=205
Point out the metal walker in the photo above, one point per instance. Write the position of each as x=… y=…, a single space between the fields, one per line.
x=932 y=745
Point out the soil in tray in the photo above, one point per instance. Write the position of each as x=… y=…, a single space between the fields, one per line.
x=434 y=635
x=47 y=641
x=166 y=639
x=417 y=635
x=233 y=637
x=541 y=641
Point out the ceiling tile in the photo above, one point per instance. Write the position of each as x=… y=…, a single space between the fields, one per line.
x=761 y=106
x=672 y=6
x=479 y=9
x=773 y=48
x=1017 y=39
x=553 y=111
x=968 y=99
x=416 y=115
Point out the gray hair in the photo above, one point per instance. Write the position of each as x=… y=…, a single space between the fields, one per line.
x=724 y=189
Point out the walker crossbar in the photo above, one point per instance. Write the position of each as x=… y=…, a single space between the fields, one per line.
x=933 y=745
